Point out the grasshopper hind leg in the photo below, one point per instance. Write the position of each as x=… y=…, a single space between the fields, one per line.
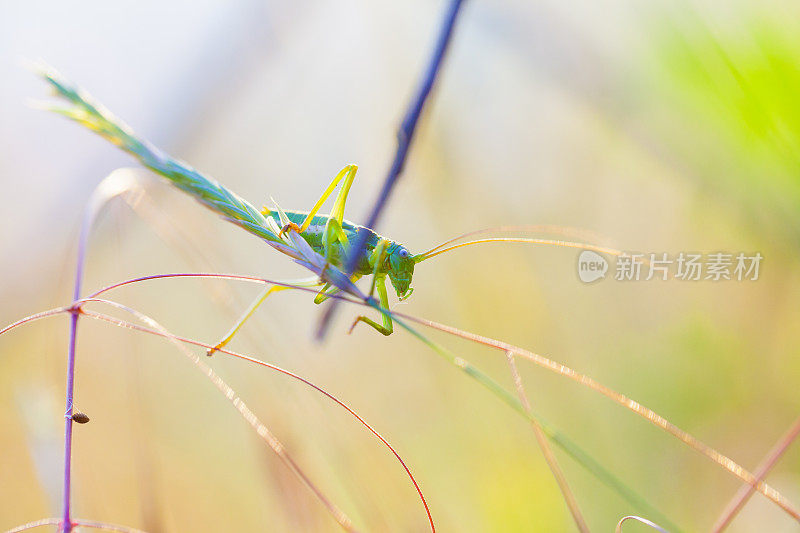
x=305 y=282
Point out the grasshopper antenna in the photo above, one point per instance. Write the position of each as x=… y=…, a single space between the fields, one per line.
x=454 y=244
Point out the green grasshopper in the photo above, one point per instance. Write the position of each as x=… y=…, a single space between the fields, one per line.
x=319 y=242
x=327 y=235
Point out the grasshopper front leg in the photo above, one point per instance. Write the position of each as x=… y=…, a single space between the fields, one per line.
x=387 y=328
x=376 y=259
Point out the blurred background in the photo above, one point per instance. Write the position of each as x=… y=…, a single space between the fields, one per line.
x=663 y=126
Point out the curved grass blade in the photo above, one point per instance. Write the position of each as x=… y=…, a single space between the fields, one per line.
x=743 y=494
x=166 y=334
x=583 y=458
x=726 y=462
x=78 y=522
x=170 y=336
x=552 y=462
x=582 y=379
x=641 y=520
x=560 y=439
x=266 y=435
x=572 y=449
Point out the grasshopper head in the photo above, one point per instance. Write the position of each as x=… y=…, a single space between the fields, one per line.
x=401 y=270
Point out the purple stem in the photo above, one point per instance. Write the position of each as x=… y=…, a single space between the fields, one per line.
x=405 y=134
x=66 y=524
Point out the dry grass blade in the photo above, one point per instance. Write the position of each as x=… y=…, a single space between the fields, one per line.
x=80 y=523
x=729 y=464
x=547 y=451
x=743 y=494
x=168 y=335
x=583 y=458
x=106 y=527
x=259 y=427
x=34 y=317
x=589 y=463
x=37 y=523
x=176 y=338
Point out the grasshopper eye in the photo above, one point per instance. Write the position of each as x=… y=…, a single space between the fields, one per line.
x=404 y=253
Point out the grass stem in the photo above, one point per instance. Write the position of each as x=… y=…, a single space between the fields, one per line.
x=743 y=494
x=405 y=135
x=547 y=451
